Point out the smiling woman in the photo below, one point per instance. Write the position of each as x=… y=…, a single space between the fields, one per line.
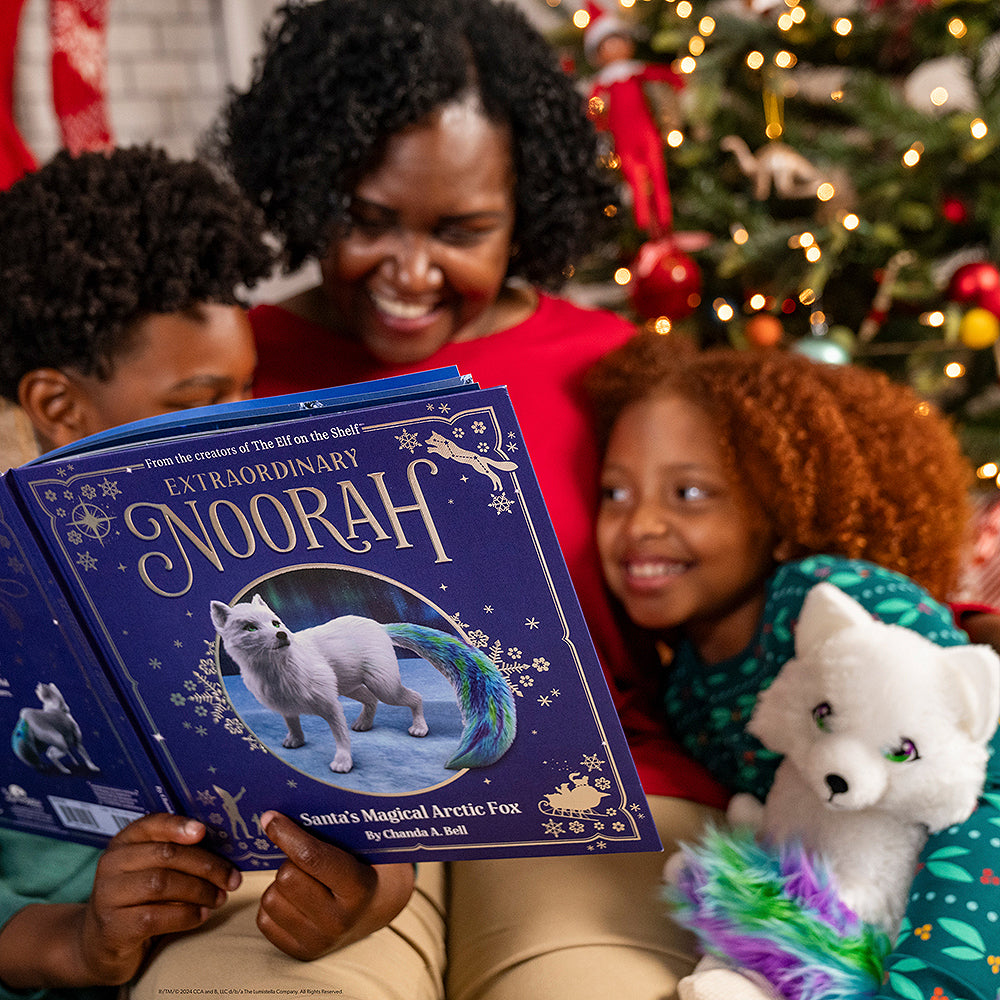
x=439 y=165
x=437 y=200
x=423 y=259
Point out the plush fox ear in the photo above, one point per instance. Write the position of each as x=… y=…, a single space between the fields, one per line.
x=976 y=685
x=257 y=599
x=220 y=614
x=773 y=720
x=826 y=611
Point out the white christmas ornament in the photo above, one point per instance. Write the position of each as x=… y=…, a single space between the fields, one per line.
x=776 y=167
x=941 y=86
x=841 y=8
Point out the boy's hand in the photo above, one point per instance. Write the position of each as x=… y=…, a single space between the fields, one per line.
x=151 y=880
x=324 y=898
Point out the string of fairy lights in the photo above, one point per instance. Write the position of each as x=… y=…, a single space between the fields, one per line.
x=974 y=325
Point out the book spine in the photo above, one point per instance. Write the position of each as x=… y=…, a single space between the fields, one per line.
x=45 y=646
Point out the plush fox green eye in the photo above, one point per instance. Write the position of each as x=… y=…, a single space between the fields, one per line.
x=821 y=715
x=249 y=627
x=906 y=751
x=276 y=623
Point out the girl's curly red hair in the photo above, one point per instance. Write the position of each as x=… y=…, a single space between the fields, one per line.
x=843 y=460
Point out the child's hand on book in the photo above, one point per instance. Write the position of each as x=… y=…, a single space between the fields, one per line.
x=324 y=898
x=152 y=879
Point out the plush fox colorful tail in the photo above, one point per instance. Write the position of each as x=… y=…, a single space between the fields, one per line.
x=484 y=697
x=775 y=912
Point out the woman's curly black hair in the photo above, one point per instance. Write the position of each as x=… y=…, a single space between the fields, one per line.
x=93 y=243
x=338 y=78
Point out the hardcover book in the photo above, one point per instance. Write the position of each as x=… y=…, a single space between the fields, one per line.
x=347 y=606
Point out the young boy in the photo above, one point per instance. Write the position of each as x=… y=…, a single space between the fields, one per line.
x=120 y=275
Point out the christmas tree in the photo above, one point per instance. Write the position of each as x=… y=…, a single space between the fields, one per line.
x=834 y=181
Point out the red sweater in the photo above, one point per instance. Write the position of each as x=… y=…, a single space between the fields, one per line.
x=541 y=362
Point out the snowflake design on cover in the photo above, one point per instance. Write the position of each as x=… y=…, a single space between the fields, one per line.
x=83 y=521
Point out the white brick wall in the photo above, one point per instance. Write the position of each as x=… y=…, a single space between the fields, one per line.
x=166 y=73
x=168 y=65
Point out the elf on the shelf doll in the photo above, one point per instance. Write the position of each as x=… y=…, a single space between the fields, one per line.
x=620 y=105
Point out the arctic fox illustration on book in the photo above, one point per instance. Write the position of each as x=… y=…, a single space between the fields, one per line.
x=45 y=737
x=438 y=444
x=306 y=672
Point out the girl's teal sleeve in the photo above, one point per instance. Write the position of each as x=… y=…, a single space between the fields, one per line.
x=949 y=944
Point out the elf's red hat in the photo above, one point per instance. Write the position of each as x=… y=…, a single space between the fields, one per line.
x=602 y=25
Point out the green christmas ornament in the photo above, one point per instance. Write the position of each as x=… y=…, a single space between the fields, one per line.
x=822 y=347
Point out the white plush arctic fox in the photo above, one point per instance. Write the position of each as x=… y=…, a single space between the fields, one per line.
x=885 y=739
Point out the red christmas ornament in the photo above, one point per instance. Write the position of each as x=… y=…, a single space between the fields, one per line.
x=972 y=282
x=665 y=281
x=990 y=301
x=954 y=210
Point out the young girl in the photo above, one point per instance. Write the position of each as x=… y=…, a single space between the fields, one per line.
x=733 y=482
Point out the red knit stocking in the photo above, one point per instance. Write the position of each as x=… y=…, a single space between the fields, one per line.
x=79 y=70
x=15 y=157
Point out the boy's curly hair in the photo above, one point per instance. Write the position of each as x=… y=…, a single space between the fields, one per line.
x=843 y=460
x=338 y=78
x=95 y=242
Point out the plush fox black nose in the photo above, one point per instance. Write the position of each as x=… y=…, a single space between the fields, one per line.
x=281 y=636
x=836 y=784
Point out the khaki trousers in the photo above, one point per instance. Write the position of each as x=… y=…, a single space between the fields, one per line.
x=579 y=928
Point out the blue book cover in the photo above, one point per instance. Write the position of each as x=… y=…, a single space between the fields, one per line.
x=361 y=619
x=59 y=778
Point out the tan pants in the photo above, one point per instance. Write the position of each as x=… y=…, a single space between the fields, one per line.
x=581 y=928
x=228 y=956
